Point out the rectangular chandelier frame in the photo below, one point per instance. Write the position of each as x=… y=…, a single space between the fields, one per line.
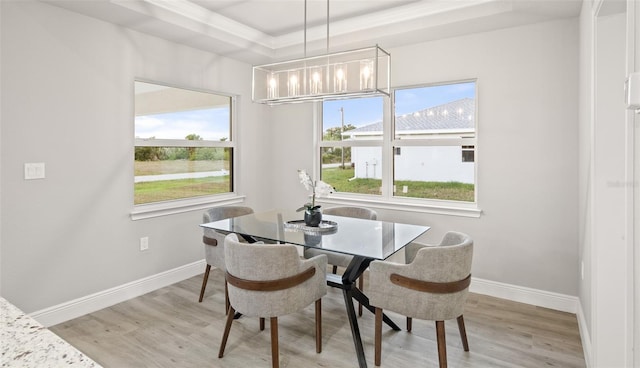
x=348 y=74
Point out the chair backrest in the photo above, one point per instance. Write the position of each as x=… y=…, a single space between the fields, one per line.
x=268 y=262
x=356 y=212
x=450 y=238
x=214 y=255
x=450 y=261
x=449 y=264
x=221 y=213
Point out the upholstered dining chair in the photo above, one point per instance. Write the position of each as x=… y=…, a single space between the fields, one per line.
x=271 y=280
x=214 y=243
x=433 y=286
x=337 y=259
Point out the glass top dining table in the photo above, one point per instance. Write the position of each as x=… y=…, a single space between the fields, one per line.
x=365 y=240
x=353 y=236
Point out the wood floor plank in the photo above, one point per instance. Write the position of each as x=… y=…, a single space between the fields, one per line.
x=169 y=328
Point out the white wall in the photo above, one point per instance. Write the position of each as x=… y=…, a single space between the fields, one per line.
x=609 y=190
x=67 y=101
x=435 y=163
x=527 y=152
x=585 y=135
x=606 y=290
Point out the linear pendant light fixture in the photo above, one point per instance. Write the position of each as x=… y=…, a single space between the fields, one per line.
x=356 y=73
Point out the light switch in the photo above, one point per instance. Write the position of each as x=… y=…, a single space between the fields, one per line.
x=34 y=171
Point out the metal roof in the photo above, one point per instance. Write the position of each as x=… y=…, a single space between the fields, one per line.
x=455 y=115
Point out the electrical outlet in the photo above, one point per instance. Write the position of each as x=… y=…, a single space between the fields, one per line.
x=144 y=243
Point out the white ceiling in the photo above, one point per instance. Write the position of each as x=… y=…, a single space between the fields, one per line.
x=260 y=31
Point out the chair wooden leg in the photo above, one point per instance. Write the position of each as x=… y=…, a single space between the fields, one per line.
x=335 y=269
x=204 y=282
x=319 y=326
x=225 y=335
x=378 y=337
x=275 y=359
x=442 y=344
x=361 y=287
x=261 y=324
x=409 y=324
x=227 y=304
x=463 y=333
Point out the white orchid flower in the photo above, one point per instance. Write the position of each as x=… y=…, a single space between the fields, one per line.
x=319 y=189
x=323 y=189
x=305 y=179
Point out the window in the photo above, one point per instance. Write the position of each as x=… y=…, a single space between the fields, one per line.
x=352 y=157
x=435 y=125
x=468 y=154
x=425 y=151
x=183 y=143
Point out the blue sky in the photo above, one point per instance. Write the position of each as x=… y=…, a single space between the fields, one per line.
x=364 y=111
x=213 y=124
x=210 y=124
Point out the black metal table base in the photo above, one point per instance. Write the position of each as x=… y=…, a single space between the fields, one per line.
x=350 y=292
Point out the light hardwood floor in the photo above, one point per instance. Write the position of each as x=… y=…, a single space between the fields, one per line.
x=169 y=328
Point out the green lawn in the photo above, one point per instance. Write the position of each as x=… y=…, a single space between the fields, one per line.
x=454 y=191
x=166 y=190
x=147 y=192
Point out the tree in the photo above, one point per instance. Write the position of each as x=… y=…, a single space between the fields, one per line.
x=335 y=134
x=334 y=154
x=191 y=151
x=149 y=153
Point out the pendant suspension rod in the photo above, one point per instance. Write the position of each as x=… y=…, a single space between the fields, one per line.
x=327 y=26
x=305 y=28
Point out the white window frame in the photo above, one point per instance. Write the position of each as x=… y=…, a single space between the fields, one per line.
x=387 y=200
x=164 y=208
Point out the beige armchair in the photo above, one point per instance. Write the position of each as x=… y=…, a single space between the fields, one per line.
x=433 y=286
x=214 y=243
x=271 y=280
x=338 y=259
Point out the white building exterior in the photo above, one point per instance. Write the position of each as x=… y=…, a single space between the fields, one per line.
x=440 y=163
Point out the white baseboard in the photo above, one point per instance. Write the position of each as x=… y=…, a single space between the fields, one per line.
x=540 y=298
x=584 y=336
x=103 y=299
x=91 y=303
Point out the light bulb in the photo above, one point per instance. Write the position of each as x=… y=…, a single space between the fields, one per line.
x=272 y=83
x=366 y=75
x=294 y=83
x=316 y=77
x=366 y=72
x=340 y=78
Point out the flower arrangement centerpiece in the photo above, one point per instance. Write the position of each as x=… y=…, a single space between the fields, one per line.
x=312 y=214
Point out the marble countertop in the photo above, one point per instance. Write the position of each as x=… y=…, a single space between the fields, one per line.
x=26 y=343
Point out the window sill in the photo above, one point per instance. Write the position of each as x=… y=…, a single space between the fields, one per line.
x=446 y=208
x=145 y=211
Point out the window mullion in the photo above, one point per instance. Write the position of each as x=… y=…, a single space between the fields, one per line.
x=387 y=148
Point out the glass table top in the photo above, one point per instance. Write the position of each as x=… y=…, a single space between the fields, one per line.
x=368 y=238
